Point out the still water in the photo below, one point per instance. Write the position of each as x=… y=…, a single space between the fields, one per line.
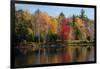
x=49 y=55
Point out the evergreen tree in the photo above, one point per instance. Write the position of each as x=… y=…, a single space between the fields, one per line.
x=82 y=14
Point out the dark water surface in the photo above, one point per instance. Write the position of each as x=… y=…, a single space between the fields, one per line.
x=49 y=55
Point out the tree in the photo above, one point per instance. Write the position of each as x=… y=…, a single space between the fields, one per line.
x=43 y=24
x=73 y=20
x=61 y=14
x=82 y=14
x=23 y=26
x=64 y=27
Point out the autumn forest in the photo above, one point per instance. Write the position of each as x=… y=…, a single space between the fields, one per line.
x=44 y=39
x=31 y=27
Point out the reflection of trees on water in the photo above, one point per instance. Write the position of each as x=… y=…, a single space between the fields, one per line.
x=55 y=53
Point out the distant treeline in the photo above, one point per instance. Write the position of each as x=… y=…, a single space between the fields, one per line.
x=39 y=26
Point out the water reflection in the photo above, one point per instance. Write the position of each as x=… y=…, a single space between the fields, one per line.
x=55 y=54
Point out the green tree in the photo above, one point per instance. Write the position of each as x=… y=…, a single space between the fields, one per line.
x=82 y=13
x=23 y=26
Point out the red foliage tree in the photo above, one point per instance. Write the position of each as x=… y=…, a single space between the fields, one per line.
x=64 y=28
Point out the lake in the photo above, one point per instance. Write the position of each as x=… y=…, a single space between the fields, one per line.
x=52 y=54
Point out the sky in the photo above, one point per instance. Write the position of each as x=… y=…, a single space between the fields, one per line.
x=56 y=10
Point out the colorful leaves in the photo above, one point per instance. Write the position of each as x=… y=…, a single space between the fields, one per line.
x=64 y=28
x=40 y=24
